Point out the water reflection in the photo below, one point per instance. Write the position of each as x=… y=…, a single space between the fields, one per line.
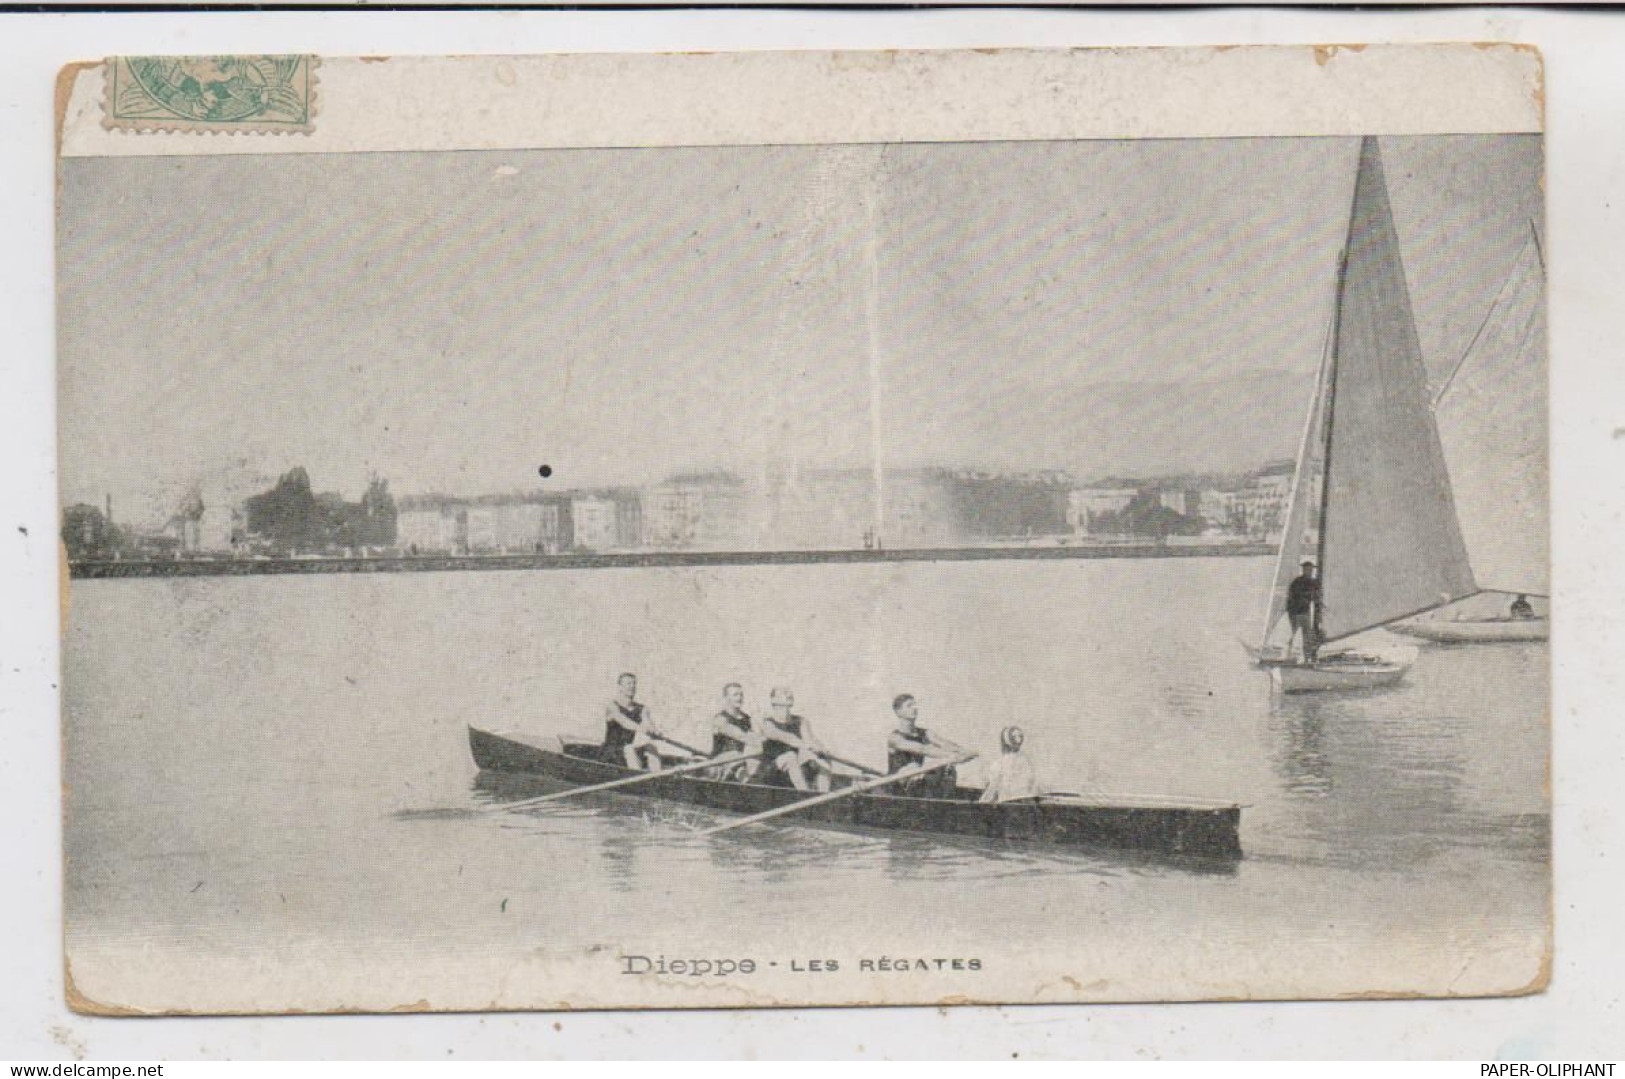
x=1301 y=759
x=779 y=855
x=1374 y=783
x=621 y=825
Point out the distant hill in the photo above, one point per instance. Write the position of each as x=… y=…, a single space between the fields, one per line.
x=1221 y=425
x=1225 y=424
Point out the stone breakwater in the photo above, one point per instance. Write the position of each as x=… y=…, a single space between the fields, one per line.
x=225 y=567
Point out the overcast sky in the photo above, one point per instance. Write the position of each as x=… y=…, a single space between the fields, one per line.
x=454 y=320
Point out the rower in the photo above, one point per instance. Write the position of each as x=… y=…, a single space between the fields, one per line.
x=1011 y=777
x=629 y=729
x=911 y=745
x=733 y=731
x=789 y=745
x=1522 y=610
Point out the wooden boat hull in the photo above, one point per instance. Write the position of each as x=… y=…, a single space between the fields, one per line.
x=1476 y=631
x=1335 y=675
x=1198 y=831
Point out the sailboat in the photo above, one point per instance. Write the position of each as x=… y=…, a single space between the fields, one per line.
x=1371 y=495
x=1491 y=414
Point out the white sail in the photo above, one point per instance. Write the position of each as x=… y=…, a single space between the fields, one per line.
x=1389 y=540
x=1492 y=422
x=1302 y=507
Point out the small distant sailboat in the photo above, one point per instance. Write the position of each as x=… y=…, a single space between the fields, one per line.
x=1491 y=413
x=1371 y=494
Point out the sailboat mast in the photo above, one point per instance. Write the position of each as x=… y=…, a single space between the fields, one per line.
x=1331 y=387
x=1331 y=415
x=1292 y=531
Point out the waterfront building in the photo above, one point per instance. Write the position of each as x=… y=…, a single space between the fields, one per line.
x=706 y=510
x=628 y=517
x=482 y=529
x=594 y=521
x=557 y=524
x=426 y=525
x=670 y=515
x=528 y=526
x=490 y=525
x=1181 y=501
x=417 y=529
x=1086 y=506
x=518 y=526
x=1260 y=507
x=1218 y=508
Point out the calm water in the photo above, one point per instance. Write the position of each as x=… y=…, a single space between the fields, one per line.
x=270 y=787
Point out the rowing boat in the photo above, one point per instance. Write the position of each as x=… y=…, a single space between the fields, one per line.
x=1188 y=828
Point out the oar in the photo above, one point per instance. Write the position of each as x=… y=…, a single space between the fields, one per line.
x=862 y=769
x=627 y=781
x=1148 y=801
x=856 y=788
x=679 y=745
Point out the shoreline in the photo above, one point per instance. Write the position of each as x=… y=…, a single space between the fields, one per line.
x=103 y=570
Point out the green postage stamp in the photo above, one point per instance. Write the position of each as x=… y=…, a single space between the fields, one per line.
x=211 y=93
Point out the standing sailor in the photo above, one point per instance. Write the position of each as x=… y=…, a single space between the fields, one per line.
x=733 y=731
x=628 y=727
x=1011 y=777
x=789 y=745
x=1303 y=607
x=911 y=745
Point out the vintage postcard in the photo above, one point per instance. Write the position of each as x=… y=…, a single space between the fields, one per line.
x=732 y=530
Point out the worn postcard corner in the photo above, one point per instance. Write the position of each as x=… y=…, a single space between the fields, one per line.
x=761 y=530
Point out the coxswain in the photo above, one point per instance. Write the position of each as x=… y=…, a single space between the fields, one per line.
x=629 y=729
x=910 y=745
x=1011 y=777
x=1303 y=608
x=789 y=745
x=734 y=731
x=1522 y=610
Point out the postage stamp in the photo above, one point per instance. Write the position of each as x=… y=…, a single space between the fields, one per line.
x=211 y=93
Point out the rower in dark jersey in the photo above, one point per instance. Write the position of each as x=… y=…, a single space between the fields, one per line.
x=910 y=745
x=734 y=731
x=629 y=730
x=790 y=747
